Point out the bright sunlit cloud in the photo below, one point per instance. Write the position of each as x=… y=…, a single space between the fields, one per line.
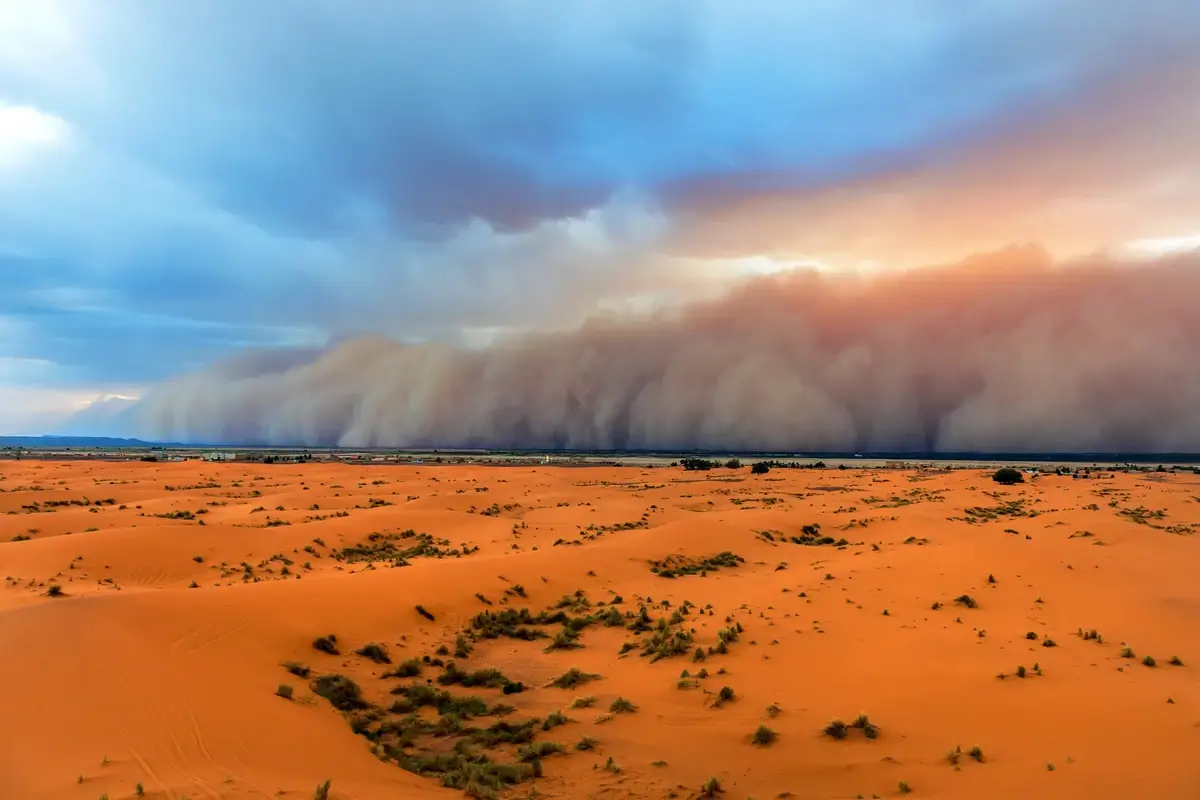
x=1164 y=245
x=24 y=130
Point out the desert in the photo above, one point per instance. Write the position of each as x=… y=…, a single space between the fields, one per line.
x=621 y=400
x=172 y=630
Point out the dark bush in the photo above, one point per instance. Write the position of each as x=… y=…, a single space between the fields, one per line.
x=342 y=692
x=326 y=644
x=1008 y=476
x=374 y=651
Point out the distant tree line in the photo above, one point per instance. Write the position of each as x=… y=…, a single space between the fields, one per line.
x=695 y=463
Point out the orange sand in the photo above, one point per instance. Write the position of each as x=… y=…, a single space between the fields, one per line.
x=133 y=677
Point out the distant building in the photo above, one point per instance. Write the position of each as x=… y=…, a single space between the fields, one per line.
x=218 y=456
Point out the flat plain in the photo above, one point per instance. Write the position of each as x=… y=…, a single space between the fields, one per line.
x=196 y=630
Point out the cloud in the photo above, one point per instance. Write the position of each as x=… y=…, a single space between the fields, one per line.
x=182 y=181
x=1004 y=352
x=1113 y=164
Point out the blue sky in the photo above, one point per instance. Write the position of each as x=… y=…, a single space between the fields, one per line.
x=181 y=181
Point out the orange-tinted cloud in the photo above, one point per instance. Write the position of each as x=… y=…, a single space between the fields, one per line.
x=1117 y=163
x=1005 y=352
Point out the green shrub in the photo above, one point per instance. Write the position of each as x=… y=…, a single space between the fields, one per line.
x=572 y=678
x=375 y=652
x=622 y=706
x=836 y=729
x=342 y=692
x=764 y=736
x=538 y=750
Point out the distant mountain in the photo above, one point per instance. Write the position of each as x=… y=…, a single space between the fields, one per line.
x=59 y=442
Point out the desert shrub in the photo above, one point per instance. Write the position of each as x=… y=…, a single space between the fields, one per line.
x=572 y=678
x=489 y=678
x=583 y=702
x=764 y=736
x=1149 y=661
x=375 y=652
x=538 y=750
x=725 y=695
x=427 y=615
x=976 y=753
x=760 y=468
x=586 y=743
x=503 y=732
x=864 y=724
x=341 y=692
x=836 y=730
x=1021 y=671
x=563 y=640
x=622 y=706
x=711 y=788
x=966 y=600
x=322 y=792
x=405 y=669
x=555 y=719
x=1176 y=661
x=1127 y=652
x=326 y=644
x=733 y=463
x=54 y=590
x=284 y=691
x=462 y=647
x=1008 y=476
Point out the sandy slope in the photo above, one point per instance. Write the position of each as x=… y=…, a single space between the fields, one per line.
x=133 y=677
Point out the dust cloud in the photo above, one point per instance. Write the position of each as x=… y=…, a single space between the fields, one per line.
x=1004 y=352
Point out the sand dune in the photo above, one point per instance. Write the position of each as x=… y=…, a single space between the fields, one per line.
x=182 y=597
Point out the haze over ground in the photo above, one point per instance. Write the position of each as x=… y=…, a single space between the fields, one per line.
x=285 y=226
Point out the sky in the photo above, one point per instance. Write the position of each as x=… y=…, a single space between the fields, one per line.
x=186 y=183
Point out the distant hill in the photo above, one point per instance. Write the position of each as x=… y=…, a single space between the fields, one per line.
x=58 y=442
